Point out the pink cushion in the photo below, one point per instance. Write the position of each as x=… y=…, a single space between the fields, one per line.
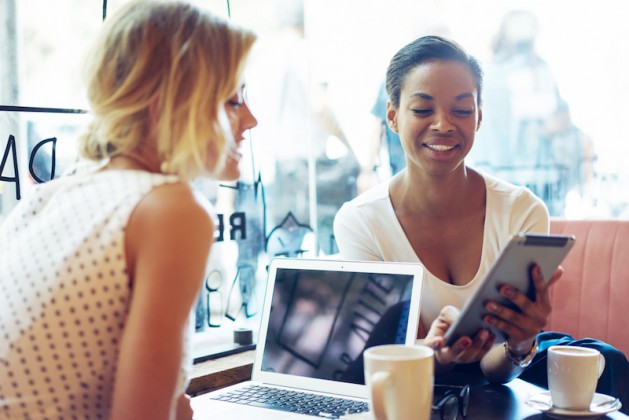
x=592 y=298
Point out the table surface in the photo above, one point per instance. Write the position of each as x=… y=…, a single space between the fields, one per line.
x=487 y=402
x=508 y=402
x=218 y=373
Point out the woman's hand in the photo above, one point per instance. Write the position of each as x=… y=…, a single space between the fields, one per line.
x=522 y=327
x=465 y=349
x=183 y=409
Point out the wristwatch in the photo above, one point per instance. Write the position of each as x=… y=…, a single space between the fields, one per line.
x=523 y=360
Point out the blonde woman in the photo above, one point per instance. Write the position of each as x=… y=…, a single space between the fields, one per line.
x=99 y=271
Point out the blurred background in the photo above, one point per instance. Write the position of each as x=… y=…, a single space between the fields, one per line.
x=554 y=98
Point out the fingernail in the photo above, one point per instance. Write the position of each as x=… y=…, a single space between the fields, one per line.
x=492 y=306
x=466 y=342
x=507 y=292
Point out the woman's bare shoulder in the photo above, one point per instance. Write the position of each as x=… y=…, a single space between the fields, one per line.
x=171 y=213
x=174 y=202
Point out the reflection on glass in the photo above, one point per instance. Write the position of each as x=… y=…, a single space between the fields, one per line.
x=321 y=322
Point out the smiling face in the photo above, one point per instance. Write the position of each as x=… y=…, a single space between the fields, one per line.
x=240 y=120
x=437 y=117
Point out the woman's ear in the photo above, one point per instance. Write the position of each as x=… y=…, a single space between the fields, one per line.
x=392 y=117
x=480 y=118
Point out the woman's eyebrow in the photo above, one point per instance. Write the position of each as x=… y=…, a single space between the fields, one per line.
x=464 y=95
x=423 y=96
x=457 y=97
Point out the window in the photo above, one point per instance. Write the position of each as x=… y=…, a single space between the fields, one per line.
x=553 y=93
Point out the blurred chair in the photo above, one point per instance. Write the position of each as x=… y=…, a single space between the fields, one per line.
x=592 y=299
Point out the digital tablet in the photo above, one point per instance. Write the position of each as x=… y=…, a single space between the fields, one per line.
x=512 y=267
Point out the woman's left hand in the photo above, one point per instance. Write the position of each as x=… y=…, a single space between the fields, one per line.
x=522 y=327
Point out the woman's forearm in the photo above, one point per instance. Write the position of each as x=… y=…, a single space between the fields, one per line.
x=497 y=368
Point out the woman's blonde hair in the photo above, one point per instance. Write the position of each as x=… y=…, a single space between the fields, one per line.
x=164 y=69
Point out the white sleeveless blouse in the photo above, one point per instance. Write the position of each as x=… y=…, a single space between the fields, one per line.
x=65 y=293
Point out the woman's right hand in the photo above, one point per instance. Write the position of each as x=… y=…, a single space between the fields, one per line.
x=183 y=409
x=465 y=349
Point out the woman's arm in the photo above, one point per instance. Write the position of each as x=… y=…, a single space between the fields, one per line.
x=167 y=243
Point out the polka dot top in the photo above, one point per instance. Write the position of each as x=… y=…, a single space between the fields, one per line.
x=65 y=293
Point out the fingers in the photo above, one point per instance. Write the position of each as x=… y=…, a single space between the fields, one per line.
x=518 y=325
x=538 y=280
x=467 y=350
x=481 y=344
x=435 y=343
x=521 y=326
x=556 y=276
x=507 y=321
x=449 y=314
x=542 y=286
x=438 y=328
x=442 y=323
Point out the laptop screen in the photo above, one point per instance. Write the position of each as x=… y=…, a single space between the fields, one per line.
x=321 y=321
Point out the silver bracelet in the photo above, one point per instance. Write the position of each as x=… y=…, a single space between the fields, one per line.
x=523 y=360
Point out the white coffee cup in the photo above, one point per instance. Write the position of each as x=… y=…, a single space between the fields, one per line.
x=400 y=380
x=573 y=373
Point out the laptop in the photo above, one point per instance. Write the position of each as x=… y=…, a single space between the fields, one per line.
x=318 y=317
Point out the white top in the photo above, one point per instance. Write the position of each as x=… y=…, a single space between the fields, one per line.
x=366 y=228
x=65 y=294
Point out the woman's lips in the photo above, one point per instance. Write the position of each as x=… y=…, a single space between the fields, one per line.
x=440 y=147
x=441 y=151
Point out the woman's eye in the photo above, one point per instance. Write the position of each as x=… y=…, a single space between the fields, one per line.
x=422 y=112
x=463 y=112
x=234 y=104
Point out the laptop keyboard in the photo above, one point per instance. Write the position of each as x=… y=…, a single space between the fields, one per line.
x=294 y=401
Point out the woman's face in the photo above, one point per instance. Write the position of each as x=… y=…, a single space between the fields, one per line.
x=438 y=116
x=240 y=120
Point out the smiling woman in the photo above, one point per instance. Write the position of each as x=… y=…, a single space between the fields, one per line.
x=309 y=95
x=455 y=220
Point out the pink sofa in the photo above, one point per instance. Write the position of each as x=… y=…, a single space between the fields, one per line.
x=592 y=299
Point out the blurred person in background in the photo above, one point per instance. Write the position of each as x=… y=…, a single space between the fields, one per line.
x=528 y=136
x=298 y=119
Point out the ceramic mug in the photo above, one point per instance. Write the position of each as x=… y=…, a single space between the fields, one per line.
x=573 y=373
x=400 y=380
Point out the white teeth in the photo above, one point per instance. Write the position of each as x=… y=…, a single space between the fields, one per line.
x=439 y=147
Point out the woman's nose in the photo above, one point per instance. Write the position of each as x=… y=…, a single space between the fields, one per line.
x=248 y=119
x=441 y=122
